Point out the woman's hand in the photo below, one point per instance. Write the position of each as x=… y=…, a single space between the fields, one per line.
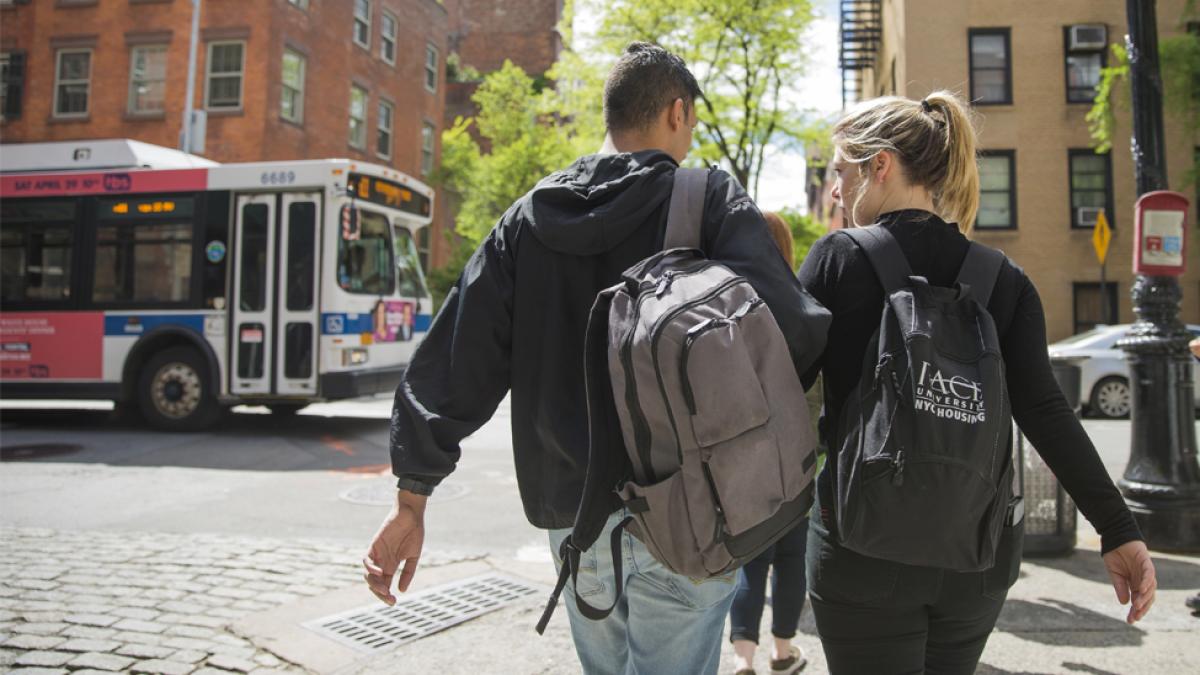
x=1132 y=574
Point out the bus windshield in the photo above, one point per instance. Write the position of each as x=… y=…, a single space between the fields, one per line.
x=408 y=265
x=365 y=260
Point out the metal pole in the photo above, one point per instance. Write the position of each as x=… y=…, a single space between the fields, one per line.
x=185 y=142
x=1161 y=483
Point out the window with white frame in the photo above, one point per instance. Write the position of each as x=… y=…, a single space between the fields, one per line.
x=223 y=82
x=291 y=99
x=72 y=82
x=427 y=133
x=383 y=127
x=387 y=38
x=362 y=23
x=147 y=78
x=302 y=4
x=358 y=117
x=431 y=68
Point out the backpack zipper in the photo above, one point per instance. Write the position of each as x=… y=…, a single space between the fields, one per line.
x=719 y=534
x=641 y=428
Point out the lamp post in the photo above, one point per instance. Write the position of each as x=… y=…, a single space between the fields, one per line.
x=186 y=140
x=1161 y=483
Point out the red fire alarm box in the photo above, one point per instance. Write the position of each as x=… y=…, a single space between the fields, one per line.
x=1160 y=234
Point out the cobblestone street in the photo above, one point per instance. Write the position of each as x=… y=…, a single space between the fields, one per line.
x=152 y=603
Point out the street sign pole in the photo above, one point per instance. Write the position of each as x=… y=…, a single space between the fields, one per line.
x=1161 y=483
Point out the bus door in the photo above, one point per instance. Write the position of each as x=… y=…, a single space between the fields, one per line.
x=274 y=313
x=253 y=289
x=296 y=338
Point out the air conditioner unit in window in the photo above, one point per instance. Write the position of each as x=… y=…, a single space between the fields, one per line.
x=1089 y=36
x=1085 y=216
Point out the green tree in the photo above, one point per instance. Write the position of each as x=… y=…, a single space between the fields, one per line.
x=1179 y=64
x=745 y=54
x=805 y=232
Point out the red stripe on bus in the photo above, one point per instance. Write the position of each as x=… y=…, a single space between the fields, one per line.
x=108 y=182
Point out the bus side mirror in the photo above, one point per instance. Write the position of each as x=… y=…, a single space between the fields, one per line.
x=349 y=220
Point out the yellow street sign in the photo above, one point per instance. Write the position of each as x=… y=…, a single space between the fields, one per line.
x=1101 y=236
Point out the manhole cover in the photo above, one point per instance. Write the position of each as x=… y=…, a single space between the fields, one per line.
x=383 y=493
x=375 y=628
x=21 y=453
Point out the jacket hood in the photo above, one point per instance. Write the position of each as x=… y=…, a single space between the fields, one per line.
x=598 y=201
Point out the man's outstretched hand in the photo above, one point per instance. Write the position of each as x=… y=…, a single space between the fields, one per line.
x=1132 y=573
x=399 y=540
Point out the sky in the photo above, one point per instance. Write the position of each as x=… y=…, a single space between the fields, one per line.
x=782 y=181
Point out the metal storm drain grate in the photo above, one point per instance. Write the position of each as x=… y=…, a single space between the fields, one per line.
x=377 y=628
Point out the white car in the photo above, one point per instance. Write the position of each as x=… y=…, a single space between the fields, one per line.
x=1104 y=370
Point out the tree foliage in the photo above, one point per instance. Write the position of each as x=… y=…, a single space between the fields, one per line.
x=745 y=54
x=1179 y=65
x=805 y=232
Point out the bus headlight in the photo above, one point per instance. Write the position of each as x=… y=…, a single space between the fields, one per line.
x=354 y=357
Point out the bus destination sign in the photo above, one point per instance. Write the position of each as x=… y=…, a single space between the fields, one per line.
x=388 y=193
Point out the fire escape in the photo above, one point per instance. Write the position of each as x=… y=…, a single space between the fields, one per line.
x=861 y=30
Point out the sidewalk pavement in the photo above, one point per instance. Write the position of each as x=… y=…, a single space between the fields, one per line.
x=90 y=602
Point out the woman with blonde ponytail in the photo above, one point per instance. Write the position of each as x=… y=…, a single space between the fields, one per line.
x=907 y=170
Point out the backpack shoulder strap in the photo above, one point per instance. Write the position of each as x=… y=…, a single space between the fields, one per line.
x=686 y=209
x=884 y=254
x=979 y=271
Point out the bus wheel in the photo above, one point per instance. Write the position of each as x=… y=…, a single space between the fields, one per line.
x=174 y=393
x=286 y=409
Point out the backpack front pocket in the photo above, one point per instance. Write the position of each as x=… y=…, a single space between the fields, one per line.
x=729 y=414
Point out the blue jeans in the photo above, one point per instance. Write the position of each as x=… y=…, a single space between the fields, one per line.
x=664 y=622
x=788 y=587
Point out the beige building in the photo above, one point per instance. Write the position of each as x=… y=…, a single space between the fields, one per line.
x=1030 y=68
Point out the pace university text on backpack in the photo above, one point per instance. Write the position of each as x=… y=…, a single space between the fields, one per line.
x=716 y=456
x=923 y=472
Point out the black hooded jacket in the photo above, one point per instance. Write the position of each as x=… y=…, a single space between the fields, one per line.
x=517 y=316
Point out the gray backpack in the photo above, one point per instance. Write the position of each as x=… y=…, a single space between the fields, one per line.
x=924 y=475
x=715 y=437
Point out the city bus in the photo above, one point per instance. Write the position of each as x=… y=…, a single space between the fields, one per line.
x=176 y=286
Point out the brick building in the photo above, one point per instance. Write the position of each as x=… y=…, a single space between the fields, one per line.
x=1030 y=70
x=279 y=79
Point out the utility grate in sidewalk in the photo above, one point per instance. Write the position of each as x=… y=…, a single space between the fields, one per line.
x=377 y=628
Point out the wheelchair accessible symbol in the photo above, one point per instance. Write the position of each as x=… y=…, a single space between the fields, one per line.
x=334 y=325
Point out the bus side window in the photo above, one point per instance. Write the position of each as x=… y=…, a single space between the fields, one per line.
x=36 y=246
x=365 y=261
x=144 y=250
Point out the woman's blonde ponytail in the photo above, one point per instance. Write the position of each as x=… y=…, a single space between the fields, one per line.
x=958 y=195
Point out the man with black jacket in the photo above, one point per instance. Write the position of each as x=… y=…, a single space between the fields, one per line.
x=516 y=320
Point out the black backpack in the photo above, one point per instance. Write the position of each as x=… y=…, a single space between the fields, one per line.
x=924 y=475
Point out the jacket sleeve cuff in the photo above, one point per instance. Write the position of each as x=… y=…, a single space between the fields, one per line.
x=1111 y=540
x=415 y=485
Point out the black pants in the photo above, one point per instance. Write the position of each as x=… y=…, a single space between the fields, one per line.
x=882 y=617
x=787 y=589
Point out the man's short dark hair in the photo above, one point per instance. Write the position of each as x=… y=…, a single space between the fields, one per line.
x=646 y=79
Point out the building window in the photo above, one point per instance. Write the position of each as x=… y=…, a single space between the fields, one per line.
x=1089 y=305
x=358 y=117
x=147 y=79
x=997 y=190
x=387 y=38
x=291 y=101
x=431 y=68
x=1091 y=187
x=224 y=81
x=362 y=23
x=991 y=66
x=383 y=136
x=72 y=82
x=1084 y=59
x=12 y=84
x=427 y=132
x=302 y=4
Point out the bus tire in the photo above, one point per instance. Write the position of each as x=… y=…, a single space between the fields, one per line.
x=174 y=391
